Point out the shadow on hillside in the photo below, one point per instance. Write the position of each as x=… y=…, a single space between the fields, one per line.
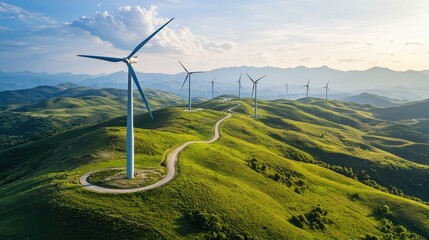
x=184 y=226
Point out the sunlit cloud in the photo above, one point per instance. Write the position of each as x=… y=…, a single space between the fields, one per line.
x=130 y=25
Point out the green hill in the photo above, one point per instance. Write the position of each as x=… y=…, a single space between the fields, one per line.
x=414 y=110
x=373 y=99
x=70 y=107
x=299 y=171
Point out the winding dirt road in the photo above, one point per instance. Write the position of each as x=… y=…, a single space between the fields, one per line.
x=171 y=165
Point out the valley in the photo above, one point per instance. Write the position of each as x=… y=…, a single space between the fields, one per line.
x=253 y=183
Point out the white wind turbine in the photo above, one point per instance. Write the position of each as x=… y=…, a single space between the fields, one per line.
x=239 y=86
x=188 y=78
x=212 y=82
x=327 y=89
x=129 y=60
x=255 y=89
x=308 y=87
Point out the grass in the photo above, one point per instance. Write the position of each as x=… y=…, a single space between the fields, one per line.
x=216 y=182
x=36 y=120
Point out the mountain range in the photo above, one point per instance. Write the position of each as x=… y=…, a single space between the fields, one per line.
x=409 y=85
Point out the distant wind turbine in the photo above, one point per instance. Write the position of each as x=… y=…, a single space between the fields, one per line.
x=327 y=89
x=239 y=86
x=287 y=89
x=212 y=81
x=308 y=87
x=188 y=76
x=131 y=59
x=255 y=89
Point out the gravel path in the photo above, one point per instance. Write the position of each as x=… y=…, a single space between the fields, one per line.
x=171 y=165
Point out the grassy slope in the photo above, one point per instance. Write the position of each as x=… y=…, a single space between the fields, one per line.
x=53 y=115
x=214 y=178
x=408 y=111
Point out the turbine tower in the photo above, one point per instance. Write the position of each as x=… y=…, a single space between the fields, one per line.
x=287 y=89
x=255 y=89
x=308 y=87
x=131 y=59
x=239 y=86
x=212 y=81
x=327 y=89
x=188 y=75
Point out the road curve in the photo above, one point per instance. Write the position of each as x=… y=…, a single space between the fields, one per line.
x=171 y=165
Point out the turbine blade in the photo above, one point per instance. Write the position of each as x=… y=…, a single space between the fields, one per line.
x=133 y=74
x=187 y=75
x=239 y=79
x=183 y=67
x=147 y=39
x=250 y=78
x=253 y=89
x=109 y=59
x=308 y=81
x=260 y=78
x=196 y=72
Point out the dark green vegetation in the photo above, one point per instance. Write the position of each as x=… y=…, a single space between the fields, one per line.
x=414 y=110
x=289 y=177
x=243 y=186
x=315 y=219
x=31 y=114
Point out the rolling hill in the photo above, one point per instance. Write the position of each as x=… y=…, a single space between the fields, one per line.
x=413 y=110
x=299 y=171
x=373 y=99
x=35 y=113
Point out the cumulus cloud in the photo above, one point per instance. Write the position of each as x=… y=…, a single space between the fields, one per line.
x=130 y=25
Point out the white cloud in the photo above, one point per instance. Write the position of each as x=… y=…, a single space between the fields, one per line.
x=11 y=12
x=130 y=25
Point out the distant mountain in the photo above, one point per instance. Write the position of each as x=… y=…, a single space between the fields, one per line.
x=425 y=72
x=28 y=95
x=23 y=80
x=373 y=99
x=412 y=85
x=414 y=110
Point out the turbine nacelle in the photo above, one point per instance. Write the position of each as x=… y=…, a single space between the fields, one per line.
x=133 y=60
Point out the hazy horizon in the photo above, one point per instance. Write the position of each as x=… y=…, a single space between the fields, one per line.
x=220 y=67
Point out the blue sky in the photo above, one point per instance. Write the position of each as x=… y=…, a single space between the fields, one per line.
x=46 y=35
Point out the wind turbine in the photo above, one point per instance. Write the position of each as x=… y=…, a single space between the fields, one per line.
x=327 y=89
x=131 y=59
x=239 y=86
x=188 y=75
x=308 y=87
x=287 y=89
x=212 y=81
x=255 y=89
